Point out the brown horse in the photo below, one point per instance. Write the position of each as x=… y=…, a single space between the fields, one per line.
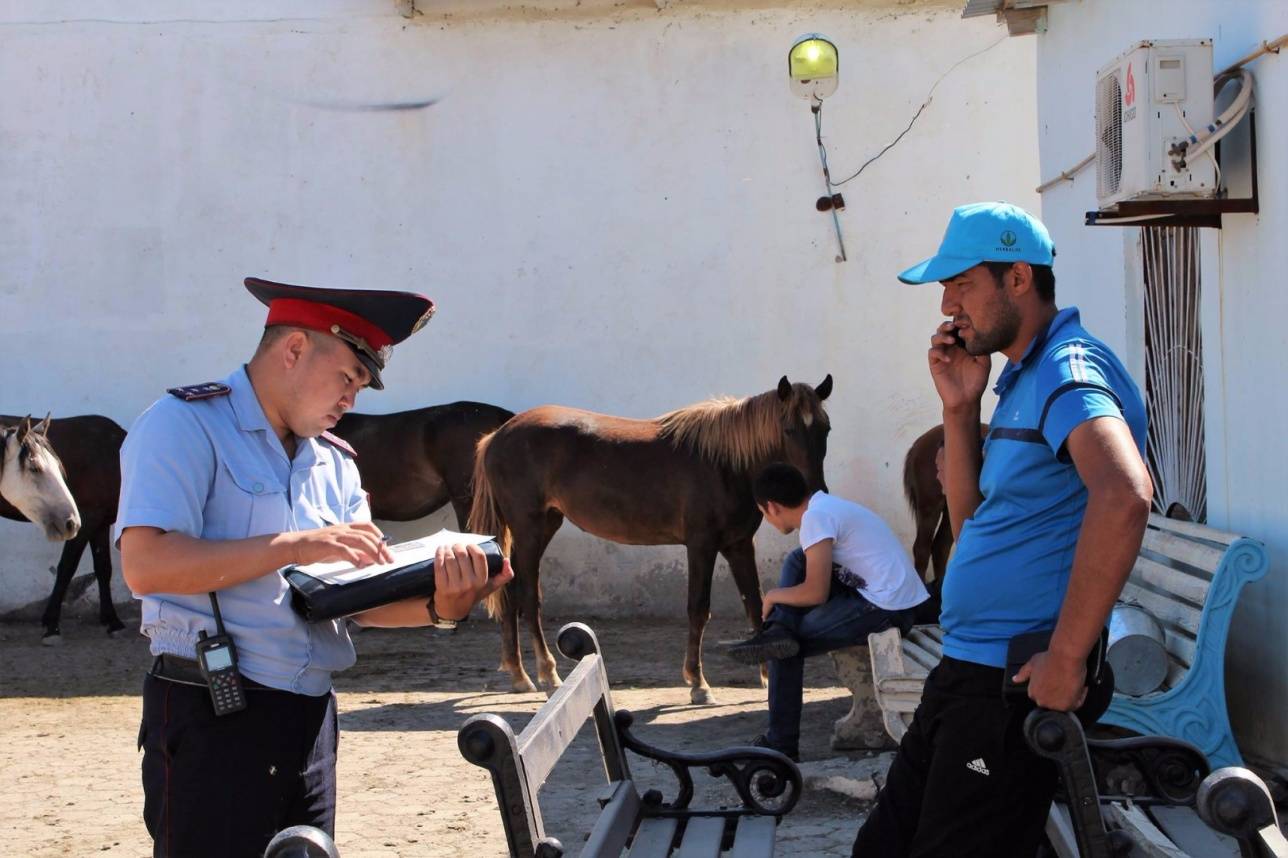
x=414 y=462
x=681 y=479
x=90 y=448
x=926 y=500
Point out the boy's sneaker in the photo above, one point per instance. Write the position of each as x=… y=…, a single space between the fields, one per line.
x=769 y=643
x=762 y=741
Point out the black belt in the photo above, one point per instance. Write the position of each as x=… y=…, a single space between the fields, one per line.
x=186 y=671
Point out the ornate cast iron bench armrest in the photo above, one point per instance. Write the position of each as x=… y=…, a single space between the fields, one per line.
x=768 y=782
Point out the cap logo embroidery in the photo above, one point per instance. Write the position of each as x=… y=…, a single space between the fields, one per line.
x=1008 y=239
x=423 y=320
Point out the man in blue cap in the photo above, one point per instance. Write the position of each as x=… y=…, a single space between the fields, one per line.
x=222 y=485
x=1048 y=518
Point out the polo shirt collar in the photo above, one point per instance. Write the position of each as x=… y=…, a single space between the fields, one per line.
x=1013 y=369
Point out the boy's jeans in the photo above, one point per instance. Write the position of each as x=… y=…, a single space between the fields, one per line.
x=845 y=619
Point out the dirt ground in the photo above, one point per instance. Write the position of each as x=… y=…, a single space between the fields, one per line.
x=69 y=718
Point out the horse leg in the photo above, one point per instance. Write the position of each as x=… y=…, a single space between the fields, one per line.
x=461 y=506
x=702 y=561
x=547 y=669
x=101 y=551
x=923 y=546
x=512 y=600
x=741 y=557
x=511 y=658
x=67 y=563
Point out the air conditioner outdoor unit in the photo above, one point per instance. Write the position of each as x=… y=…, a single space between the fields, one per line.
x=1144 y=101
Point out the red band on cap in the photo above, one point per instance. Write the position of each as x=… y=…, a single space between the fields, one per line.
x=320 y=317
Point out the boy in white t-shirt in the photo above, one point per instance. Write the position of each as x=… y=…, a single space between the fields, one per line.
x=850 y=577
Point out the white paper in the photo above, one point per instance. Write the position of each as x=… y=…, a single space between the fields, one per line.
x=405 y=554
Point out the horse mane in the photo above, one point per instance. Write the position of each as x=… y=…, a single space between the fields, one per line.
x=739 y=433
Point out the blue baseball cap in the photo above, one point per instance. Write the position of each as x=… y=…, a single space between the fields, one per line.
x=985 y=232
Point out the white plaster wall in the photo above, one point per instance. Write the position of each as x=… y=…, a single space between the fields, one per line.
x=612 y=205
x=1244 y=301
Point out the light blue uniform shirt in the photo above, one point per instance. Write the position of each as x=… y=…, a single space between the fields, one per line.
x=1014 y=556
x=215 y=469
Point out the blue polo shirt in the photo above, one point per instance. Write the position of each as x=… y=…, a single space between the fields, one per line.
x=1011 y=567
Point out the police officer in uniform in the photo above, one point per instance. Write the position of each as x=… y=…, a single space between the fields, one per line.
x=222 y=485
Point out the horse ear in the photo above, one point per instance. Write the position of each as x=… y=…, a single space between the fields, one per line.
x=42 y=428
x=824 y=390
x=24 y=427
x=784 y=389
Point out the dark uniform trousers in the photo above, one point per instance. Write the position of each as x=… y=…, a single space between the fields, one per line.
x=223 y=786
x=964 y=783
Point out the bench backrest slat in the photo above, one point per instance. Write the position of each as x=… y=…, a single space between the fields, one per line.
x=1171 y=581
x=1192 y=530
x=556 y=723
x=1167 y=611
x=1181 y=648
x=1200 y=555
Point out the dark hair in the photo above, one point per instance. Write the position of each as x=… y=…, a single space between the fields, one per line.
x=780 y=483
x=1043 y=277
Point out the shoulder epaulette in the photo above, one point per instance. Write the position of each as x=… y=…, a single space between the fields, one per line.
x=339 y=443
x=193 y=392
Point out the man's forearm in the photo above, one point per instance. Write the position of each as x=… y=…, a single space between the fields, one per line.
x=963 y=457
x=154 y=561
x=398 y=615
x=1108 y=543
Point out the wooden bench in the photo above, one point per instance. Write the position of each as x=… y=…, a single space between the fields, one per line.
x=1188 y=577
x=767 y=783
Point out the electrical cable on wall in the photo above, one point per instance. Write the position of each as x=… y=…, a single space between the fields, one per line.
x=805 y=52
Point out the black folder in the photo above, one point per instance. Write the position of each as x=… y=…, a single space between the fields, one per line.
x=316 y=599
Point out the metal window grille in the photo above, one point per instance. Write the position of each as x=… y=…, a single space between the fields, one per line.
x=1174 y=372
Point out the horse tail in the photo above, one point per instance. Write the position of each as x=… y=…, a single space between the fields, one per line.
x=910 y=477
x=486 y=517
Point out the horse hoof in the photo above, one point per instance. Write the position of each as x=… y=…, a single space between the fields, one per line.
x=115 y=632
x=702 y=696
x=551 y=683
x=523 y=686
x=52 y=639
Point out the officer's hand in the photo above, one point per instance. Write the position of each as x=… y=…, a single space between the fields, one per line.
x=960 y=378
x=1055 y=682
x=460 y=580
x=359 y=543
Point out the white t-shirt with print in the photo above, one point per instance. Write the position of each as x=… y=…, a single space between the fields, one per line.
x=866 y=555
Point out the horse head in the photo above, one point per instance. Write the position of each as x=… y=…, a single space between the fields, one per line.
x=33 y=479
x=805 y=428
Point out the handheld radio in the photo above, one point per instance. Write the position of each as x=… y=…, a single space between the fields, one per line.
x=217 y=658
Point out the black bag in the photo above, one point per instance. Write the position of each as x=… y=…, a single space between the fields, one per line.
x=1100 y=675
x=315 y=599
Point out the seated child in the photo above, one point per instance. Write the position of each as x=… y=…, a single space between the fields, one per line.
x=849 y=578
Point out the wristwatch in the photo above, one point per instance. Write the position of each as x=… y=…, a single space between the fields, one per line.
x=442 y=623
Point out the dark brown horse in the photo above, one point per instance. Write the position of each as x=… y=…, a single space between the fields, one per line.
x=925 y=496
x=90 y=449
x=681 y=479
x=413 y=462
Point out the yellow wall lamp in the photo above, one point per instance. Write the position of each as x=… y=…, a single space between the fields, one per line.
x=813 y=66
